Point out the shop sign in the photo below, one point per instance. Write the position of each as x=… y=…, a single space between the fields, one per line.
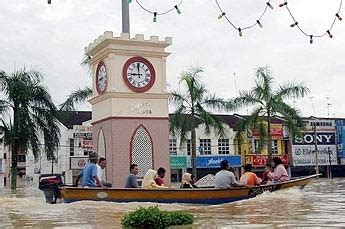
x=78 y=162
x=276 y=131
x=214 y=162
x=262 y=160
x=82 y=135
x=82 y=129
x=86 y=145
x=342 y=161
x=304 y=155
x=178 y=162
x=322 y=138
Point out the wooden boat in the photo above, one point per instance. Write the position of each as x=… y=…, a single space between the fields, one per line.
x=189 y=196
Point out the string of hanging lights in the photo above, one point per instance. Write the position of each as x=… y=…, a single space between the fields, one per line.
x=311 y=36
x=258 y=22
x=155 y=13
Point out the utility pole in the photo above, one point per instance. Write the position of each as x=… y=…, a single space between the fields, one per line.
x=328 y=105
x=125 y=17
x=316 y=151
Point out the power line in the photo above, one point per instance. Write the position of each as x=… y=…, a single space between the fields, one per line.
x=311 y=36
x=241 y=28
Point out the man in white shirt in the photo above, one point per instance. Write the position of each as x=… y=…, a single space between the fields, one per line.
x=225 y=178
x=102 y=163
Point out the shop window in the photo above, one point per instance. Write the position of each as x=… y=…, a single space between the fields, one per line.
x=275 y=147
x=205 y=147
x=21 y=158
x=223 y=146
x=256 y=146
x=71 y=147
x=173 y=146
x=189 y=147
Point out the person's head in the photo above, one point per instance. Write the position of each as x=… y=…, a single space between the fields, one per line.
x=161 y=172
x=277 y=161
x=268 y=166
x=133 y=168
x=224 y=165
x=248 y=168
x=93 y=157
x=102 y=162
x=187 y=177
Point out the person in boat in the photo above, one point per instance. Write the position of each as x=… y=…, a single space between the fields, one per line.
x=132 y=180
x=268 y=169
x=88 y=175
x=279 y=174
x=225 y=178
x=188 y=181
x=249 y=178
x=149 y=180
x=160 y=175
x=102 y=163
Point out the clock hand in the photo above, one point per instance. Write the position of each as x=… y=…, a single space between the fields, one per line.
x=138 y=66
x=135 y=74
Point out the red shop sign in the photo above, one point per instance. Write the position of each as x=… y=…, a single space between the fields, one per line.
x=259 y=160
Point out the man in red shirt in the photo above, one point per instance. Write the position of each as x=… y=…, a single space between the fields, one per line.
x=160 y=175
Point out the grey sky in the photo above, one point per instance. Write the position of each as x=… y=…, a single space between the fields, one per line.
x=52 y=38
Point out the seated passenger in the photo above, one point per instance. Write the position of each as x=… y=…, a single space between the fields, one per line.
x=149 y=180
x=188 y=181
x=89 y=173
x=268 y=168
x=160 y=175
x=131 y=180
x=224 y=178
x=249 y=178
x=279 y=174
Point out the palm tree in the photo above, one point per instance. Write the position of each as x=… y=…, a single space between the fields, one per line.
x=79 y=95
x=268 y=103
x=190 y=108
x=33 y=114
x=76 y=97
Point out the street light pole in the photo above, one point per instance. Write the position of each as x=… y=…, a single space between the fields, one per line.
x=125 y=17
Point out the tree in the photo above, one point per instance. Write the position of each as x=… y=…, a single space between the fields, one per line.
x=268 y=103
x=191 y=107
x=76 y=97
x=33 y=114
x=79 y=95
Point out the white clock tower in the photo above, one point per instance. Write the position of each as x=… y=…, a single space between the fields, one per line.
x=130 y=115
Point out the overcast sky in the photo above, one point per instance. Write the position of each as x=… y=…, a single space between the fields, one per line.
x=52 y=38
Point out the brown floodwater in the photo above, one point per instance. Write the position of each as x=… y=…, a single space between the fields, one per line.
x=321 y=203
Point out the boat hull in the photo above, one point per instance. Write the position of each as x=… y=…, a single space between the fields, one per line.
x=189 y=196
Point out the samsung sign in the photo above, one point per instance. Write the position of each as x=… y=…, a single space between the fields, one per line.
x=309 y=139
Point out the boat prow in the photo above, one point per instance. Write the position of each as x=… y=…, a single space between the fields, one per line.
x=189 y=196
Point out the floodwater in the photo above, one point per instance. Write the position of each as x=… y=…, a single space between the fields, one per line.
x=321 y=203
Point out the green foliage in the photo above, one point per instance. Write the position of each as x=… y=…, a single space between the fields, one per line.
x=153 y=217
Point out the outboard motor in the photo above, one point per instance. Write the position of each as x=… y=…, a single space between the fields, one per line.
x=49 y=184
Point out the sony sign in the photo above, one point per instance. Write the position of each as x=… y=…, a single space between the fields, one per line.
x=308 y=138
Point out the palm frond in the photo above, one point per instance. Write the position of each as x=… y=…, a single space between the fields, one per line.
x=76 y=97
x=292 y=90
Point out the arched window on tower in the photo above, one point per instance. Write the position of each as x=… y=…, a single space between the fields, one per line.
x=142 y=150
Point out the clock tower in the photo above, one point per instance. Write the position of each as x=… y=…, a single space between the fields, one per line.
x=130 y=114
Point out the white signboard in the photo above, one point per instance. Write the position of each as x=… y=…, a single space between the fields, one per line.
x=304 y=155
x=78 y=162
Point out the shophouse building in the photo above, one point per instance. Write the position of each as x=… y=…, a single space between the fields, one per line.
x=318 y=141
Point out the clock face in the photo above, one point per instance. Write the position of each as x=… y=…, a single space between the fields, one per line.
x=139 y=74
x=101 y=78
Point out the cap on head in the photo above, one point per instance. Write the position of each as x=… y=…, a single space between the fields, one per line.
x=93 y=155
